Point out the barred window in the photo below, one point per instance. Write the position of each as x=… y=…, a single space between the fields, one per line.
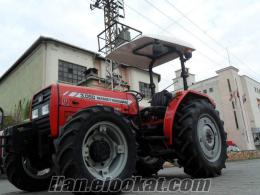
x=145 y=89
x=70 y=73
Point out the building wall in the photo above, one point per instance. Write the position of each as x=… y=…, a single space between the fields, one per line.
x=218 y=89
x=242 y=135
x=252 y=103
x=56 y=52
x=24 y=81
x=40 y=69
x=252 y=93
x=179 y=81
x=137 y=75
x=211 y=87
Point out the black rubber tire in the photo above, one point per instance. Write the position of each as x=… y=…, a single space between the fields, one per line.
x=20 y=179
x=148 y=168
x=69 y=147
x=186 y=143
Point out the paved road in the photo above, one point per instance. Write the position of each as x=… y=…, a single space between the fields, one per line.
x=240 y=178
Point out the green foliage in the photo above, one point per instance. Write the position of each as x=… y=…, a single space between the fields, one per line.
x=8 y=121
x=20 y=113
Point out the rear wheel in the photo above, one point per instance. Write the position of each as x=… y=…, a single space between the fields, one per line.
x=200 y=139
x=21 y=173
x=97 y=144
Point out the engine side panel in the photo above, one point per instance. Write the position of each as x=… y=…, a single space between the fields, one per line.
x=172 y=108
x=71 y=99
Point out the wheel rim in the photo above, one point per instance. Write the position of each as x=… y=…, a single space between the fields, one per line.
x=104 y=150
x=35 y=173
x=209 y=137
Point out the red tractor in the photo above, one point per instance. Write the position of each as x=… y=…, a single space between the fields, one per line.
x=81 y=132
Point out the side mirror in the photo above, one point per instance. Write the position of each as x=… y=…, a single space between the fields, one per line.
x=1 y=119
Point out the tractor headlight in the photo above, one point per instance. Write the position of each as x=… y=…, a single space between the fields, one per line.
x=35 y=114
x=45 y=109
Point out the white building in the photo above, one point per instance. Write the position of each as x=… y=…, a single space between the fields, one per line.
x=48 y=61
x=238 y=100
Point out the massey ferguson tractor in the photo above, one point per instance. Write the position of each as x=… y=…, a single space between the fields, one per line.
x=81 y=132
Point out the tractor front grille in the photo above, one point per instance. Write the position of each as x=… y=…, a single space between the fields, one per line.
x=39 y=100
x=43 y=124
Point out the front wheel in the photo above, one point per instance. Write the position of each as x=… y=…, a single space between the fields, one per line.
x=23 y=175
x=200 y=139
x=97 y=144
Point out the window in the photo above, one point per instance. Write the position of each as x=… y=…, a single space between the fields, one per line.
x=205 y=91
x=211 y=90
x=258 y=103
x=71 y=73
x=257 y=90
x=145 y=89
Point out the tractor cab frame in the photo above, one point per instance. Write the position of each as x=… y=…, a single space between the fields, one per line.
x=147 y=52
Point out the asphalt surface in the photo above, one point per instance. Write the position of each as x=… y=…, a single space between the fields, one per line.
x=239 y=178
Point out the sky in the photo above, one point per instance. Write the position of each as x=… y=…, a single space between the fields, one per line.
x=224 y=32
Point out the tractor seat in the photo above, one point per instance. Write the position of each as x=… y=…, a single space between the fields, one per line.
x=161 y=98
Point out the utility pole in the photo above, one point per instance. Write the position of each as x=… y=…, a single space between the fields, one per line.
x=114 y=34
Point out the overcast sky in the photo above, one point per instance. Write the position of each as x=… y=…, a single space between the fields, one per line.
x=210 y=25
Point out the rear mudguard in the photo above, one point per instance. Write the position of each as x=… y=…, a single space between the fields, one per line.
x=172 y=108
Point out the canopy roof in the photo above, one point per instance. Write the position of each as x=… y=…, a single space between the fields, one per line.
x=136 y=53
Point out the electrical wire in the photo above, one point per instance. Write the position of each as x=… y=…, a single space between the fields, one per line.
x=208 y=35
x=213 y=63
x=187 y=30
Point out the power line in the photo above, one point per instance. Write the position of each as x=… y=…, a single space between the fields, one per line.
x=152 y=22
x=187 y=13
x=208 y=35
x=185 y=29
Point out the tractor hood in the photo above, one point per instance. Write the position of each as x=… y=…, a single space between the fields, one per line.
x=126 y=53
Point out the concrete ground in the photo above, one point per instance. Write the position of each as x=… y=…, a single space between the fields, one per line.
x=239 y=178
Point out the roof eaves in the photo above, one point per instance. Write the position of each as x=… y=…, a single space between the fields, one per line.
x=40 y=40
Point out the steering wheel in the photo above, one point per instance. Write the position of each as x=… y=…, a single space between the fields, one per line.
x=139 y=96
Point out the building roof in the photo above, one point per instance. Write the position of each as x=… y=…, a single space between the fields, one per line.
x=40 y=40
x=43 y=39
x=245 y=76
x=227 y=68
x=205 y=80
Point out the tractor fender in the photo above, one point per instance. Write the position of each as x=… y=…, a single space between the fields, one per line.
x=174 y=105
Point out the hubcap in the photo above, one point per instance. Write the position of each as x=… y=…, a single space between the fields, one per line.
x=99 y=151
x=104 y=150
x=209 y=137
